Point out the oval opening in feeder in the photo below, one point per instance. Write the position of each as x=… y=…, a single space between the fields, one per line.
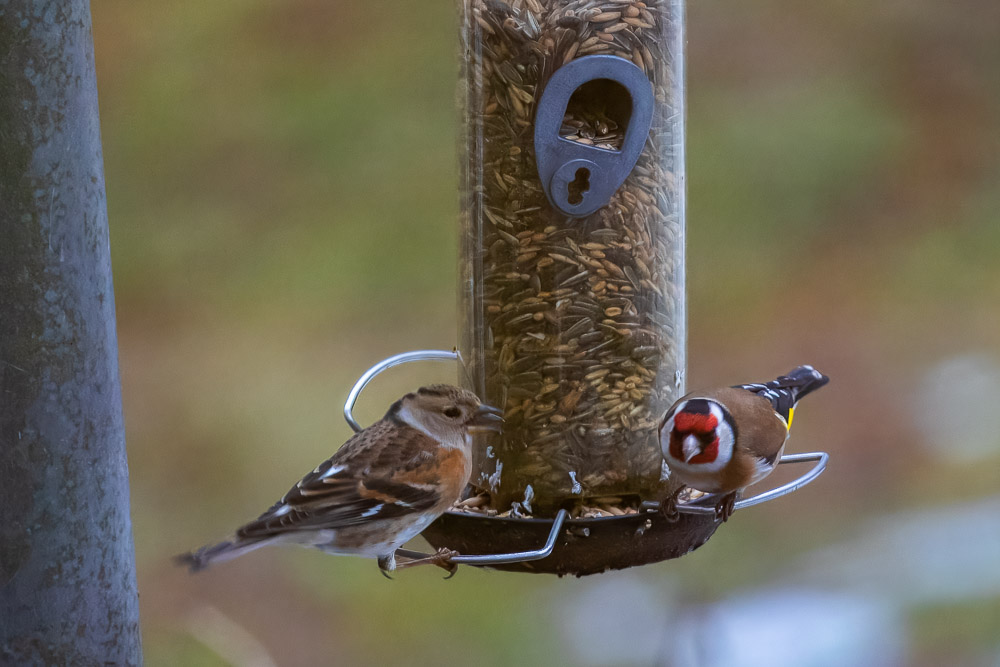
x=597 y=114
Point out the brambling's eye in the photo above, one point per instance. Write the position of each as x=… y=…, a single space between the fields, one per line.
x=452 y=412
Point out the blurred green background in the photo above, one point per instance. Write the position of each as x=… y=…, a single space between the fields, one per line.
x=282 y=193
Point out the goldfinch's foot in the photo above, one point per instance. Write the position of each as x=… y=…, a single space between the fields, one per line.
x=726 y=506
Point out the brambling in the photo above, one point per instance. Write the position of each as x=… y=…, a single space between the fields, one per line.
x=724 y=440
x=382 y=487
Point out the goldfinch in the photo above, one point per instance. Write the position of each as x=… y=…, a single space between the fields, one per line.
x=724 y=440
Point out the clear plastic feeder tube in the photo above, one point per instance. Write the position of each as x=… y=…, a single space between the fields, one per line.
x=573 y=323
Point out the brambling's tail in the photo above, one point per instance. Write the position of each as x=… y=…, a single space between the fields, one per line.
x=198 y=560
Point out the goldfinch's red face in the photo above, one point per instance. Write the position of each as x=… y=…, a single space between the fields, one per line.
x=697 y=433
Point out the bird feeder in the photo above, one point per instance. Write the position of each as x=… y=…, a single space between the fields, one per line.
x=572 y=294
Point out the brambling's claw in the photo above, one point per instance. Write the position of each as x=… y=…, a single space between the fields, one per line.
x=443 y=560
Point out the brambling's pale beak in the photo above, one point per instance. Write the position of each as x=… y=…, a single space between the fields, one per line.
x=486 y=419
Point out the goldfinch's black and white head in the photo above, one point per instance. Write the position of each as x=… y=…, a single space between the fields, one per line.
x=698 y=433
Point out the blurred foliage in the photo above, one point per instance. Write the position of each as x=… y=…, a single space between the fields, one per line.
x=281 y=183
x=970 y=624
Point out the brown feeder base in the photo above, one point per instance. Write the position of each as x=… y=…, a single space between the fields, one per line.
x=584 y=546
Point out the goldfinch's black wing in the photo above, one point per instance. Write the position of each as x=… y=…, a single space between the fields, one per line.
x=368 y=479
x=785 y=391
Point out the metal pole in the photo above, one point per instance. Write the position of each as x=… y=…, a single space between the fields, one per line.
x=67 y=566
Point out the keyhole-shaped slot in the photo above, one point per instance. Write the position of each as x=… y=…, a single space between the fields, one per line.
x=579 y=185
x=597 y=114
x=591 y=124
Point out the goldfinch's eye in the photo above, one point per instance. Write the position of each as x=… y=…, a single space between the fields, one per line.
x=452 y=412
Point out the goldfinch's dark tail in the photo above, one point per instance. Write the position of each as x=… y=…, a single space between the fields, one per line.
x=801 y=381
x=787 y=390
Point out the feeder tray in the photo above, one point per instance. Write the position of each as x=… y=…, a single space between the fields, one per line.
x=590 y=546
x=561 y=545
x=572 y=546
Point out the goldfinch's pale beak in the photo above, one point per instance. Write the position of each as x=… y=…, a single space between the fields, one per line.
x=486 y=419
x=690 y=448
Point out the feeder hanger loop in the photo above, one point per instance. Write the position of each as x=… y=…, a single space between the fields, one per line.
x=416 y=355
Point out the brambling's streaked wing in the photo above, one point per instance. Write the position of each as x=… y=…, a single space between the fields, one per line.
x=387 y=471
